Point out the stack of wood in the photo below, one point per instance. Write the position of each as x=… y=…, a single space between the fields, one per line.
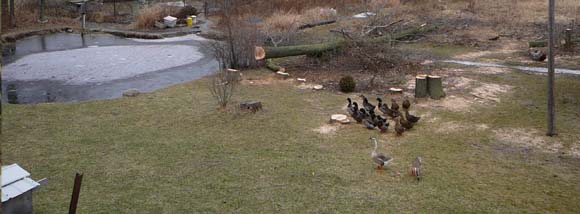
x=429 y=86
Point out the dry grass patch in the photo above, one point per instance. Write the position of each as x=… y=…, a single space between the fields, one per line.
x=531 y=139
x=148 y=16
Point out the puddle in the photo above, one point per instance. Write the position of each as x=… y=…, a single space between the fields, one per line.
x=68 y=67
x=523 y=68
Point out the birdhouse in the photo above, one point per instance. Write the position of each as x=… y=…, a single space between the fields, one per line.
x=17 y=187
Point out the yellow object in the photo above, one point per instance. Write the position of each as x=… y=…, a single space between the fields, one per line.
x=189 y=21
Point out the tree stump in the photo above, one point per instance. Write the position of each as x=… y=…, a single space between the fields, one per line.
x=435 y=87
x=537 y=55
x=421 y=86
x=251 y=105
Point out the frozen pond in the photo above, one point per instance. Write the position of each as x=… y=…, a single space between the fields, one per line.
x=69 y=67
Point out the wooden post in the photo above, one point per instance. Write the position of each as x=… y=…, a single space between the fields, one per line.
x=41 y=17
x=421 y=86
x=551 y=109
x=12 y=18
x=435 y=85
x=75 y=194
x=569 y=43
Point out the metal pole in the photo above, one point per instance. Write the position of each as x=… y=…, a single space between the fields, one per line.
x=551 y=108
x=75 y=194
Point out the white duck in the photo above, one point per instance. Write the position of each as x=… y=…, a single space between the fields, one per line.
x=379 y=158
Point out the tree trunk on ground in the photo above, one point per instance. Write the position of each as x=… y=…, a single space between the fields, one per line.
x=421 y=86
x=435 y=87
x=272 y=66
x=315 y=49
x=315 y=24
x=539 y=44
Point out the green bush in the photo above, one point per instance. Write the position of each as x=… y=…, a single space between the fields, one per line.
x=347 y=84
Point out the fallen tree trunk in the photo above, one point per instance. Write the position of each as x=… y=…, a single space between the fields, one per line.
x=316 y=49
x=539 y=44
x=272 y=66
x=315 y=24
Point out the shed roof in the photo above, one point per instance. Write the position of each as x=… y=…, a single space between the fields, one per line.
x=15 y=181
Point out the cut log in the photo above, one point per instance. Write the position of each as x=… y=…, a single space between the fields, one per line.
x=317 y=49
x=539 y=44
x=315 y=24
x=272 y=66
x=339 y=118
x=435 y=87
x=395 y=91
x=260 y=53
x=251 y=105
x=421 y=86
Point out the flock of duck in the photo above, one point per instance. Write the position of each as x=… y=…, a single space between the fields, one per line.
x=367 y=116
x=403 y=121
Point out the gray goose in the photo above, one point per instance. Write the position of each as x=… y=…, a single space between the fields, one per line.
x=379 y=158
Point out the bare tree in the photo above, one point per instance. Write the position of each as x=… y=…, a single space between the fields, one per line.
x=241 y=38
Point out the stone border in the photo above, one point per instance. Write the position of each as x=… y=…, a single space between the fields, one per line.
x=8 y=40
x=13 y=36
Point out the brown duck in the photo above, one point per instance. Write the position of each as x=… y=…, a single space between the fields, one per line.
x=399 y=129
x=415 y=169
x=406 y=104
x=411 y=118
x=394 y=105
x=406 y=124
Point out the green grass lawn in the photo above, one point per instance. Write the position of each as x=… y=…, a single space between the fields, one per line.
x=171 y=152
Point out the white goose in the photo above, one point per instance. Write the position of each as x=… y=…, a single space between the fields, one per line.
x=379 y=158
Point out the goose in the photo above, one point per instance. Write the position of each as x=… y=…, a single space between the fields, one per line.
x=379 y=158
x=406 y=104
x=411 y=118
x=366 y=104
x=399 y=128
x=416 y=168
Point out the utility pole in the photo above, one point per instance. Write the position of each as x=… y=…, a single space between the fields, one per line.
x=551 y=108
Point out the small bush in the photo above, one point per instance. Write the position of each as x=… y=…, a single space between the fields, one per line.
x=347 y=84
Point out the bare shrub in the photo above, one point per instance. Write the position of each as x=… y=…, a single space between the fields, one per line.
x=280 y=28
x=222 y=86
